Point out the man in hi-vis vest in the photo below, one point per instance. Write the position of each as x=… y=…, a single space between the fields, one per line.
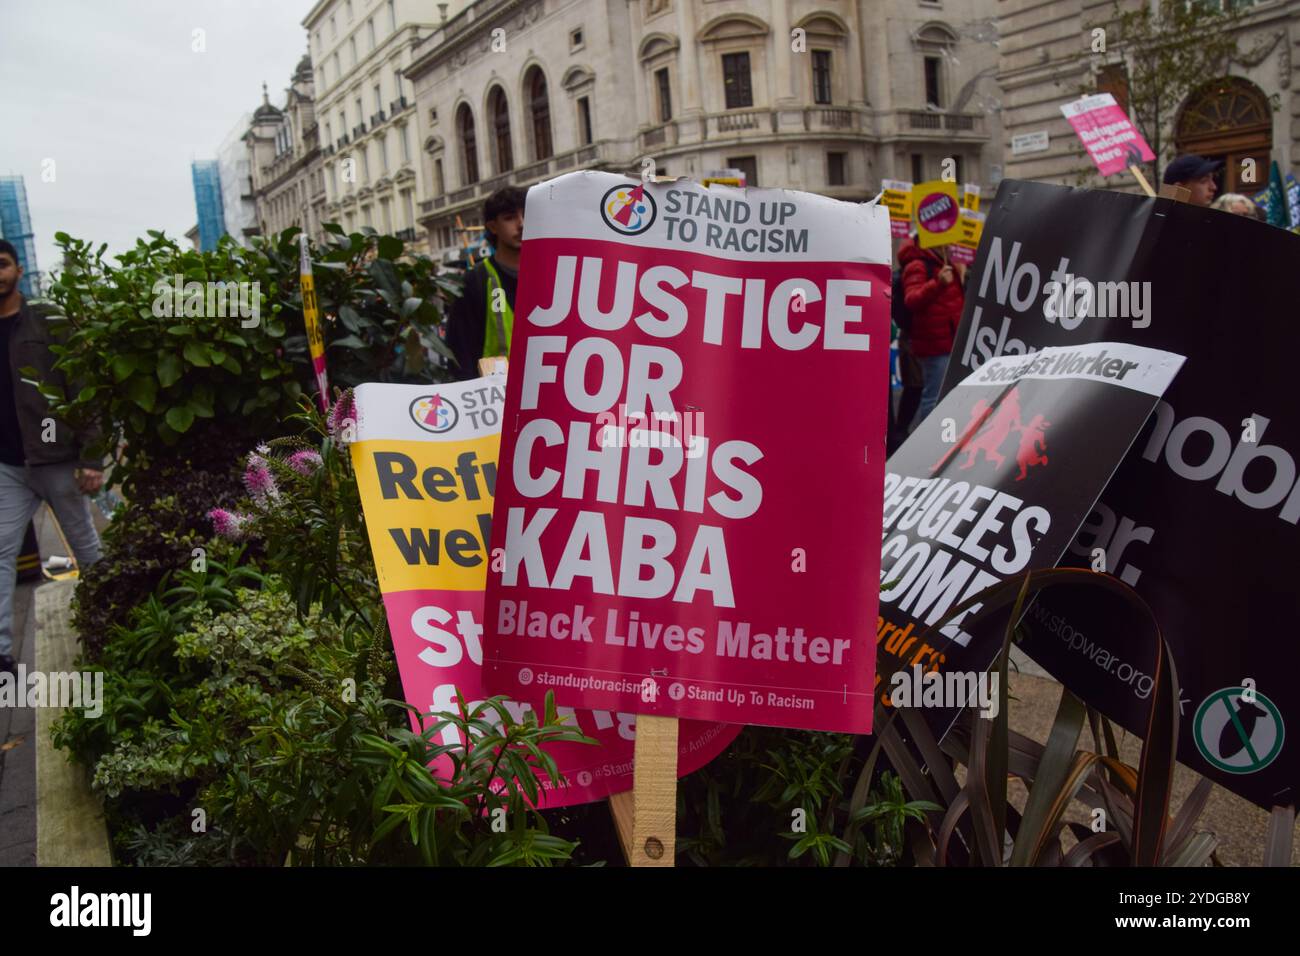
x=481 y=319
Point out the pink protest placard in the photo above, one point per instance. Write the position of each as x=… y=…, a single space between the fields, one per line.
x=688 y=503
x=1108 y=135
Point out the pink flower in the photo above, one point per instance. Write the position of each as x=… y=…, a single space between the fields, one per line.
x=228 y=524
x=342 y=414
x=305 y=462
x=259 y=481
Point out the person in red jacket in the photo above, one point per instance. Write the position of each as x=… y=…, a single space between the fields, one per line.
x=934 y=296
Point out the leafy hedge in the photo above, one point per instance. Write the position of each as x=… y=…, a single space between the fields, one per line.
x=154 y=380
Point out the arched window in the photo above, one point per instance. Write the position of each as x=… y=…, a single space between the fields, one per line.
x=734 y=46
x=500 y=114
x=828 y=44
x=1229 y=119
x=468 y=145
x=658 y=53
x=539 y=113
x=935 y=41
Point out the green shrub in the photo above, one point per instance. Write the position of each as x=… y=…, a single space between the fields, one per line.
x=148 y=379
x=289 y=747
x=154 y=533
x=154 y=382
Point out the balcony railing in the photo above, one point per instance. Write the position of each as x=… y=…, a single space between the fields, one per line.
x=536 y=170
x=926 y=120
x=521 y=175
x=405 y=234
x=359 y=129
x=377 y=118
x=490 y=186
x=662 y=135
x=830 y=117
x=741 y=121
x=397 y=106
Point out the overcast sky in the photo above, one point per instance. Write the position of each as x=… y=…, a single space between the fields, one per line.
x=114 y=93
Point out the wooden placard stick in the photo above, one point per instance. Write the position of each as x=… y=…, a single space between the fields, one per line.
x=465 y=235
x=1277 y=842
x=646 y=817
x=1136 y=170
x=1176 y=193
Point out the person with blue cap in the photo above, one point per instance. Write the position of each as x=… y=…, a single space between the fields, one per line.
x=1195 y=174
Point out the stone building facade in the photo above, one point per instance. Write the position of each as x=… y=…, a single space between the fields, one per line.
x=1047 y=58
x=369 y=140
x=830 y=96
x=288 y=184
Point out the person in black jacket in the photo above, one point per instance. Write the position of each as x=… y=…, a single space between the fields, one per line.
x=483 y=317
x=41 y=458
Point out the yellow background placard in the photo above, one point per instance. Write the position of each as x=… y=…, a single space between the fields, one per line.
x=425 y=513
x=896 y=196
x=972 y=228
x=924 y=213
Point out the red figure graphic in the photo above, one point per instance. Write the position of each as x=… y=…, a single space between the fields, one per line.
x=994 y=432
x=1033 y=437
x=979 y=413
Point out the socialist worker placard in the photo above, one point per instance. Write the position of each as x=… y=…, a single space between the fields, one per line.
x=995 y=482
x=692 y=454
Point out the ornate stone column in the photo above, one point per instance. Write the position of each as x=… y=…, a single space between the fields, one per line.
x=688 y=68
x=782 y=81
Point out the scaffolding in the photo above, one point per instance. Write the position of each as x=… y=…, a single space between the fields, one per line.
x=16 y=227
x=207 y=201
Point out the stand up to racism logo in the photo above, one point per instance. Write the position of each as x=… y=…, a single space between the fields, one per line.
x=629 y=211
x=435 y=413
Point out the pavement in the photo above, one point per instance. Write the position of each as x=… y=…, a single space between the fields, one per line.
x=1238 y=823
x=18 y=750
x=69 y=829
